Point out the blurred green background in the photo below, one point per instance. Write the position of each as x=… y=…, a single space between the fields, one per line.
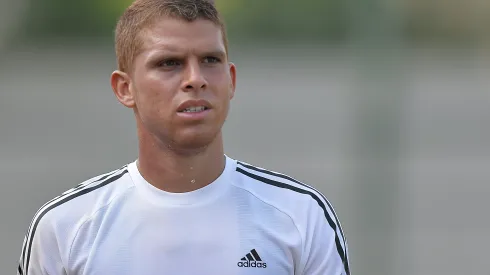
x=449 y=22
x=384 y=105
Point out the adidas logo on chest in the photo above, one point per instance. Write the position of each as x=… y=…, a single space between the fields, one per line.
x=253 y=260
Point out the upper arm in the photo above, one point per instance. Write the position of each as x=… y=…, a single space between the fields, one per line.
x=40 y=254
x=325 y=249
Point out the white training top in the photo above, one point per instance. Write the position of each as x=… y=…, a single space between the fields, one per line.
x=249 y=221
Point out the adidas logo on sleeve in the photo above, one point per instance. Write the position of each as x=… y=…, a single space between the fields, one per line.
x=252 y=259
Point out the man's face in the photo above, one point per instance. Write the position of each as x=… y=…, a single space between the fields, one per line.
x=182 y=82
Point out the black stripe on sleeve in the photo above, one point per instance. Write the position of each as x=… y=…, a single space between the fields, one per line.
x=316 y=198
x=251 y=167
x=75 y=189
x=62 y=201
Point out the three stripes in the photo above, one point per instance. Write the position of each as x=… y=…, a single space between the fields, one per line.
x=305 y=189
x=252 y=256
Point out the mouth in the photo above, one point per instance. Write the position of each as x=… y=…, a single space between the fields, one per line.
x=194 y=106
x=194 y=109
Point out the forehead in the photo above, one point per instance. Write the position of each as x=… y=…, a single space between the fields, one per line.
x=180 y=35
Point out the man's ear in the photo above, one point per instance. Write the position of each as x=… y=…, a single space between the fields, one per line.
x=232 y=68
x=121 y=86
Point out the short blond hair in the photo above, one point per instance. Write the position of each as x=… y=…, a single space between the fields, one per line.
x=141 y=14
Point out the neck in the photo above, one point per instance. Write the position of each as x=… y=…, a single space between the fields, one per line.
x=177 y=172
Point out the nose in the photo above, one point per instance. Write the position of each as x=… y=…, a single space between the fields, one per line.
x=194 y=79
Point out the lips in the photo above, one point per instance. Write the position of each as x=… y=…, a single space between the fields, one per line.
x=194 y=106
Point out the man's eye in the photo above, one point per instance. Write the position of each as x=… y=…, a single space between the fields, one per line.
x=211 y=59
x=169 y=63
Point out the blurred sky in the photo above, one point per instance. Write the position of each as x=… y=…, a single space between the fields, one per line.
x=382 y=105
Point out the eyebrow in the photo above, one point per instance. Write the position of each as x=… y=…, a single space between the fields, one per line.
x=173 y=51
x=218 y=53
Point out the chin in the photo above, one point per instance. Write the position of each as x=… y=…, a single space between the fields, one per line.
x=195 y=140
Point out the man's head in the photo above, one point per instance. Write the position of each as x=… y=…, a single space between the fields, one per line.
x=142 y=14
x=174 y=71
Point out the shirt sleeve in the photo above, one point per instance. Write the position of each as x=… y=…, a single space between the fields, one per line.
x=40 y=254
x=325 y=247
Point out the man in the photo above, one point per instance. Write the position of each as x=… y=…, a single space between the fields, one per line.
x=183 y=207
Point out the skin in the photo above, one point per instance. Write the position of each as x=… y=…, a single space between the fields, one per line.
x=179 y=61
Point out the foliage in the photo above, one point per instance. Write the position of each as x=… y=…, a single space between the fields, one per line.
x=246 y=19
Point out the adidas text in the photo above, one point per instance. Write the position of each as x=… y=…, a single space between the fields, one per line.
x=252 y=264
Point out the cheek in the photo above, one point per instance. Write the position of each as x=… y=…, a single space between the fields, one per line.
x=154 y=87
x=154 y=96
x=222 y=83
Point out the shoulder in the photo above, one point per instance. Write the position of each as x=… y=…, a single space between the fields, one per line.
x=311 y=211
x=284 y=192
x=55 y=224
x=75 y=204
